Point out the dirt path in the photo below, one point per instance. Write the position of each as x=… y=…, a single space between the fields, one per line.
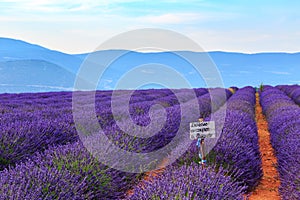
x=268 y=187
x=149 y=176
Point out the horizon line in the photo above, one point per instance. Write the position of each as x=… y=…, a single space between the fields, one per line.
x=149 y=51
x=169 y=51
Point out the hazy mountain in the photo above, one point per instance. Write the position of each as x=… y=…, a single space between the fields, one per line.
x=26 y=67
x=253 y=69
x=34 y=75
x=11 y=49
x=235 y=68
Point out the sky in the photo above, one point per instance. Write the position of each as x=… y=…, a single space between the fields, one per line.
x=79 y=26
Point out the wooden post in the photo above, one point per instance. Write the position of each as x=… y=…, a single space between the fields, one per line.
x=202 y=153
x=202 y=148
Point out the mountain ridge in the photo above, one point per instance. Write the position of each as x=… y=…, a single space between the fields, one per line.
x=236 y=68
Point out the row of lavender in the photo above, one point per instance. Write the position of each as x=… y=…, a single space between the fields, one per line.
x=234 y=162
x=237 y=146
x=293 y=91
x=284 y=124
x=33 y=122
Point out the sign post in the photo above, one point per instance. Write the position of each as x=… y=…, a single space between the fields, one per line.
x=201 y=130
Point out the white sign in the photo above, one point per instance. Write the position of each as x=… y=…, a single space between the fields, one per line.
x=202 y=130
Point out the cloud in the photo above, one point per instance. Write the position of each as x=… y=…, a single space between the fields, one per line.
x=295 y=82
x=75 y=26
x=108 y=80
x=279 y=72
x=106 y=84
x=172 y=18
x=245 y=72
x=38 y=86
x=147 y=71
x=61 y=5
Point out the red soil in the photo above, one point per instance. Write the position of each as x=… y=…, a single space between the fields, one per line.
x=268 y=187
x=149 y=176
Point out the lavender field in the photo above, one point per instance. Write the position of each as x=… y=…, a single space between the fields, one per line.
x=42 y=155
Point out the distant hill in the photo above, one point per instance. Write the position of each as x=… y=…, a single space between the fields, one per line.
x=11 y=49
x=253 y=69
x=34 y=75
x=235 y=68
x=26 y=67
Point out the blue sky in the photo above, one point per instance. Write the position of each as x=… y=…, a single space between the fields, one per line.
x=81 y=25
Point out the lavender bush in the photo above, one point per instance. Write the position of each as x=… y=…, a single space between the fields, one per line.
x=35 y=180
x=292 y=91
x=189 y=182
x=32 y=122
x=284 y=124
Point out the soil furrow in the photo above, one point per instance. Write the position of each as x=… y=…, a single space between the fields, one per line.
x=268 y=186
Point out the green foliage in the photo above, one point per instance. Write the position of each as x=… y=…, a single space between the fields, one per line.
x=89 y=167
x=261 y=87
x=4 y=162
